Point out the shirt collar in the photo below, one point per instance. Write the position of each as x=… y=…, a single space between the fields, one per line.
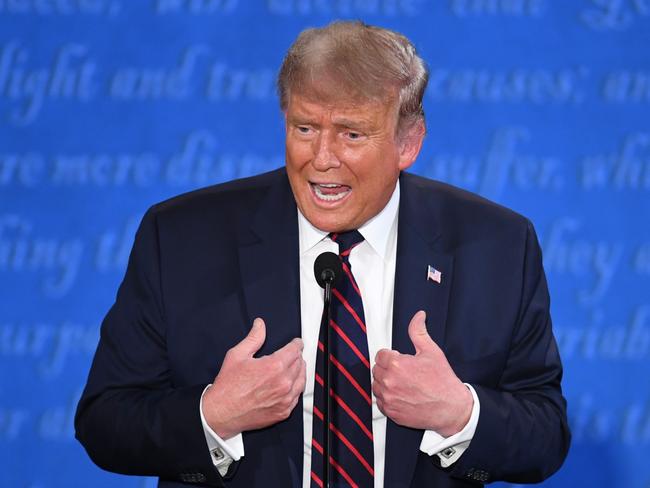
x=376 y=231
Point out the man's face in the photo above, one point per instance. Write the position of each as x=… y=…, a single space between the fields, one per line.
x=343 y=160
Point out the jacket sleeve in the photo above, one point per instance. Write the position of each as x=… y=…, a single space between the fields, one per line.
x=131 y=418
x=522 y=434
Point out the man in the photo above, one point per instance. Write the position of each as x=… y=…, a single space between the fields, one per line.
x=444 y=369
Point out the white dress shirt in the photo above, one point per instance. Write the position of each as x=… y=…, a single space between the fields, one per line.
x=373 y=265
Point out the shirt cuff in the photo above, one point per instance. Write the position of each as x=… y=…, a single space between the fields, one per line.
x=222 y=452
x=450 y=449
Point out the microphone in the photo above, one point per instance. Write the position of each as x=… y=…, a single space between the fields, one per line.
x=327 y=270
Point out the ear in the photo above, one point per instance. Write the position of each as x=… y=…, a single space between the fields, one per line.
x=410 y=142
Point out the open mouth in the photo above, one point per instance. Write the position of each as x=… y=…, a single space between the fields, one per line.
x=330 y=192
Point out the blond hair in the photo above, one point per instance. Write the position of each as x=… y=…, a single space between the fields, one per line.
x=354 y=61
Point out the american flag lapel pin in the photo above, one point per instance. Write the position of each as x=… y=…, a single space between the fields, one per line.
x=433 y=274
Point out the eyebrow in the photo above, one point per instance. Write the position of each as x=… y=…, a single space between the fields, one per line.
x=352 y=124
x=301 y=119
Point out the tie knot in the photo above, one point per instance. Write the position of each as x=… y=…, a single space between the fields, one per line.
x=347 y=241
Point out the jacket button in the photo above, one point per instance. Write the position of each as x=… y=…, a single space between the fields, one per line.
x=192 y=477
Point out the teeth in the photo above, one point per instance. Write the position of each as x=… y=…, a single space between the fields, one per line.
x=329 y=185
x=327 y=197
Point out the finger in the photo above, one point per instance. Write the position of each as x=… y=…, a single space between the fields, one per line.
x=293 y=347
x=419 y=334
x=379 y=386
x=254 y=340
x=300 y=382
x=378 y=372
x=295 y=369
x=296 y=343
x=380 y=406
x=384 y=357
x=303 y=376
x=294 y=402
x=378 y=390
x=290 y=352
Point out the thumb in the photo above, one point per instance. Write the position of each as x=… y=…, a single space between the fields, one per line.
x=418 y=333
x=255 y=338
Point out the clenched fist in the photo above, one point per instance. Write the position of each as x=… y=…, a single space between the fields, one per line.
x=421 y=391
x=250 y=393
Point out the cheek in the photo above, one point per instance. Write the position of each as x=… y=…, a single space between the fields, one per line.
x=297 y=152
x=376 y=175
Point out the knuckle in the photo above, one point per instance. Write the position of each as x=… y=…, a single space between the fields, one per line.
x=389 y=410
x=282 y=405
x=382 y=407
x=229 y=354
x=283 y=387
x=296 y=371
x=283 y=412
x=388 y=400
x=276 y=367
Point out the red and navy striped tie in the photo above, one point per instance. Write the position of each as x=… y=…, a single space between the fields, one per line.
x=351 y=455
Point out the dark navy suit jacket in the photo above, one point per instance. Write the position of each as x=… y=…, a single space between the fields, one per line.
x=205 y=264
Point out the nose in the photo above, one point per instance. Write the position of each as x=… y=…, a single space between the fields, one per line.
x=325 y=152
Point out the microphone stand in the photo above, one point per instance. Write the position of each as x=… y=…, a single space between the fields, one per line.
x=325 y=322
x=327 y=271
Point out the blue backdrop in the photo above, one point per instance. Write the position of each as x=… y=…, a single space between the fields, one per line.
x=108 y=106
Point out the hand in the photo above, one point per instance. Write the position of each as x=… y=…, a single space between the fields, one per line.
x=250 y=393
x=421 y=391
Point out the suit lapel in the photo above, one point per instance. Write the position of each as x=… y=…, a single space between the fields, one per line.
x=269 y=266
x=417 y=243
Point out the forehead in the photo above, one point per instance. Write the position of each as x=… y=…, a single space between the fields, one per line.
x=352 y=109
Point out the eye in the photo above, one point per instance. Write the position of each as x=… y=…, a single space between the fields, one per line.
x=303 y=129
x=354 y=136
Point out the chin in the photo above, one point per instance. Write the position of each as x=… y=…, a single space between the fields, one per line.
x=325 y=223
